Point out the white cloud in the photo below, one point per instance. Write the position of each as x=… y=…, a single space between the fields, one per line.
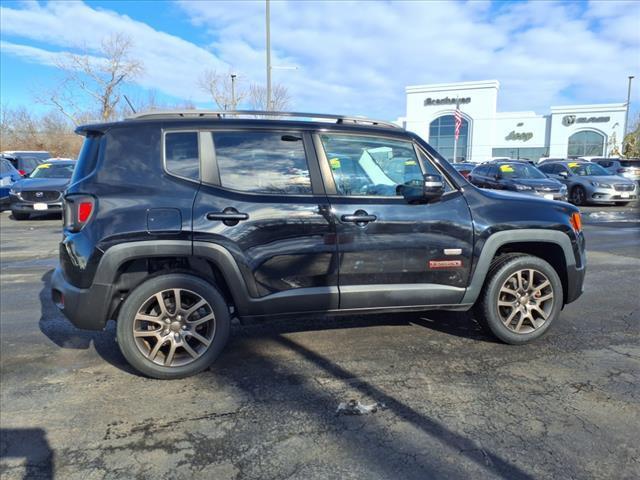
x=172 y=64
x=357 y=57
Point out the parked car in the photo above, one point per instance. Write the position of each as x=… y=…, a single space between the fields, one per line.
x=464 y=168
x=550 y=159
x=8 y=176
x=42 y=190
x=26 y=161
x=625 y=167
x=519 y=177
x=588 y=182
x=176 y=222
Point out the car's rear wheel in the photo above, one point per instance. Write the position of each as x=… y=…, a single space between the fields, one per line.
x=173 y=326
x=578 y=195
x=19 y=215
x=521 y=298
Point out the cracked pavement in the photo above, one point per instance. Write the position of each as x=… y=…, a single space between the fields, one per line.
x=457 y=403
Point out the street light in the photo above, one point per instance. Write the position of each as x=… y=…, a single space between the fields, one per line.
x=626 y=115
x=233 y=91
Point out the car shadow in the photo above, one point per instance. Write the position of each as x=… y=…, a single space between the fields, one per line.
x=277 y=386
x=60 y=331
x=39 y=216
x=30 y=444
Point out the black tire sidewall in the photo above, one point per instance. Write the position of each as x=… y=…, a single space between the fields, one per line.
x=145 y=290
x=583 y=199
x=492 y=317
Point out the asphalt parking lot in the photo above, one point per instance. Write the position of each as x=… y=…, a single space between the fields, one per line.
x=454 y=403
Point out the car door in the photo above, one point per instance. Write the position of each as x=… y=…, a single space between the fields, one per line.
x=262 y=199
x=392 y=253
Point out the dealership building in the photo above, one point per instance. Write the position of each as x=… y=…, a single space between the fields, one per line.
x=567 y=131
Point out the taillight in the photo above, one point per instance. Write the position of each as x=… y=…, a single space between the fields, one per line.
x=78 y=210
x=84 y=211
x=576 y=221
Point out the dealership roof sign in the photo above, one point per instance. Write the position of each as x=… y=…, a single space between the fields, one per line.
x=569 y=120
x=445 y=101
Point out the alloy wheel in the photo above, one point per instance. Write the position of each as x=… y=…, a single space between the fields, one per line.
x=525 y=301
x=174 y=327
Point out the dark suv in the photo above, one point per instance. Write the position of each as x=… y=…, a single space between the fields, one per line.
x=176 y=222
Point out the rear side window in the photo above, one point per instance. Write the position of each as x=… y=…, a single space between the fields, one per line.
x=262 y=162
x=88 y=157
x=181 y=154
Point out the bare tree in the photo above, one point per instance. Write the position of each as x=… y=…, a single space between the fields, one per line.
x=99 y=78
x=280 y=98
x=21 y=130
x=221 y=88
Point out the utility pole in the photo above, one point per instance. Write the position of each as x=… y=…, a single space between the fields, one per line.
x=626 y=115
x=268 y=56
x=233 y=91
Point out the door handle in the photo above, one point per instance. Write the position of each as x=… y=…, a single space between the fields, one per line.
x=229 y=216
x=359 y=217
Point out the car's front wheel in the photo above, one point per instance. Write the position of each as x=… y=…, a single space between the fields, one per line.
x=578 y=195
x=173 y=326
x=521 y=298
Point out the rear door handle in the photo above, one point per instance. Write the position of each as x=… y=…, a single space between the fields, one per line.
x=229 y=216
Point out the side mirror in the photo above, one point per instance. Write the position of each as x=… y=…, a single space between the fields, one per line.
x=421 y=191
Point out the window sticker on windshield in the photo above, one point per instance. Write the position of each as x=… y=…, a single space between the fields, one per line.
x=573 y=164
x=335 y=163
x=410 y=162
x=506 y=168
x=44 y=165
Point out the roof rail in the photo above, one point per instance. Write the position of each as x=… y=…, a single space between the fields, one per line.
x=258 y=114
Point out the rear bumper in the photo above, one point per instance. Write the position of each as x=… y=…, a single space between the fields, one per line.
x=577 y=271
x=86 y=308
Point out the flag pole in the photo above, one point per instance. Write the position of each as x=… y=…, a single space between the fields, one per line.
x=455 y=137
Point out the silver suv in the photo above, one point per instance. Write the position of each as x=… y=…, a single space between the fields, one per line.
x=588 y=182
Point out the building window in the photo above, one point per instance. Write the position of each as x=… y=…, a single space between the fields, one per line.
x=587 y=143
x=528 y=153
x=442 y=135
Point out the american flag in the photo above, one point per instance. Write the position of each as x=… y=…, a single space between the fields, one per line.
x=458 y=119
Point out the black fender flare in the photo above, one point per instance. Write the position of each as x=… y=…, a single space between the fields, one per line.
x=500 y=239
x=116 y=256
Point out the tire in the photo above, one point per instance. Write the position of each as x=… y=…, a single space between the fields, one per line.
x=20 y=216
x=188 y=327
x=578 y=195
x=528 y=322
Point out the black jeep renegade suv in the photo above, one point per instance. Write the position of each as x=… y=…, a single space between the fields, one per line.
x=176 y=222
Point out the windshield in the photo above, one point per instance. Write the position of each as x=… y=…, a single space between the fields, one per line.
x=587 y=169
x=520 y=170
x=5 y=167
x=630 y=163
x=49 y=170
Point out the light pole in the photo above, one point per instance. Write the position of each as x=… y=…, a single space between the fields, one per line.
x=233 y=91
x=626 y=115
x=268 y=56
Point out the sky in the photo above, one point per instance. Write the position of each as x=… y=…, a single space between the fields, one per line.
x=349 y=57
